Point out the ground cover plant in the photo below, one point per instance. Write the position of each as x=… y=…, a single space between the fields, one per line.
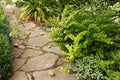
x=86 y=68
x=88 y=31
x=5 y=47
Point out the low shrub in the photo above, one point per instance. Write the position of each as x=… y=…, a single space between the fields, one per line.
x=4 y=23
x=5 y=57
x=5 y=47
x=85 y=32
x=90 y=31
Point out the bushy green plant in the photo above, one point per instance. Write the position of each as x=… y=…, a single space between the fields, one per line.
x=90 y=31
x=85 y=32
x=80 y=3
x=5 y=57
x=5 y=47
x=111 y=66
x=86 y=68
x=4 y=23
x=38 y=9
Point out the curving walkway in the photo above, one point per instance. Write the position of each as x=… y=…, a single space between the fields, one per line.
x=35 y=57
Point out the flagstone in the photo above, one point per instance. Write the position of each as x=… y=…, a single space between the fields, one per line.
x=40 y=63
x=17 y=63
x=19 y=76
x=54 y=49
x=44 y=75
x=37 y=41
x=31 y=53
x=17 y=52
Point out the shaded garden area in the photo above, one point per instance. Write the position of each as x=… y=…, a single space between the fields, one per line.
x=86 y=31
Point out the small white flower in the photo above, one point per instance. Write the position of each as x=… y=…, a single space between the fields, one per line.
x=14 y=1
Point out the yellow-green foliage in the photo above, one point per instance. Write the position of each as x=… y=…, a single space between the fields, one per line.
x=87 y=32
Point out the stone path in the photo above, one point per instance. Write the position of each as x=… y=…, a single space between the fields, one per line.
x=35 y=54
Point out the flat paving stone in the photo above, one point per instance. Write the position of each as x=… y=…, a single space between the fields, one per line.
x=22 y=35
x=17 y=52
x=36 y=32
x=39 y=63
x=44 y=75
x=26 y=26
x=54 y=49
x=31 y=53
x=17 y=63
x=29 y=25
x=19 y=76
x=37 y=41
x=13 y=17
